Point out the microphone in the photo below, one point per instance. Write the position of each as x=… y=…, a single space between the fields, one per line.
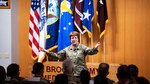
x=75 y=49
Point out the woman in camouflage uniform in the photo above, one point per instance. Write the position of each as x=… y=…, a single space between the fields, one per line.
x=76 y=52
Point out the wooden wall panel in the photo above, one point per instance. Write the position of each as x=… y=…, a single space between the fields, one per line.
x=137 y=30
x=25 y=59
x=115 y=31
x=127 y=35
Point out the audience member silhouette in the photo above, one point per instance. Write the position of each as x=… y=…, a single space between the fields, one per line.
x=142 y=80
x=61 y=79
x=133 y=73
x=133 y=70
x=38 y=70
x=85 y=77
x=68 y=70
x=2 y=74
x=103 y=71
x=13 y=72
x=122 y=74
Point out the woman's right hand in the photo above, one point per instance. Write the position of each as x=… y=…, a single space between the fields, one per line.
x=42 y=49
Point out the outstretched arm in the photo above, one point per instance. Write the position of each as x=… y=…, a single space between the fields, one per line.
x=92 y=51
x=60 y=55
x=49 y=53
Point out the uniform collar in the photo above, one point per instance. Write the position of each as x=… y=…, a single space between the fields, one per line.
x=75 y=48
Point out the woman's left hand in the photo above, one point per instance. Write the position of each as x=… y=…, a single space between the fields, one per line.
x=96 y=46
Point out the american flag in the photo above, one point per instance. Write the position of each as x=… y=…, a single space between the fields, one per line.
x=34 y=31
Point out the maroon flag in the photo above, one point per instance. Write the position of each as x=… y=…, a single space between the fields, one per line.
x=102 y=16
x=78 y=16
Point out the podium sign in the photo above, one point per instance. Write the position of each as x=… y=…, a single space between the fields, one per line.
x=53 y=68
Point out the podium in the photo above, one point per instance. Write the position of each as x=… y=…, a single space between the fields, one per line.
x=53 y=68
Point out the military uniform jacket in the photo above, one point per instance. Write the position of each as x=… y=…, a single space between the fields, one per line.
x=77 y=55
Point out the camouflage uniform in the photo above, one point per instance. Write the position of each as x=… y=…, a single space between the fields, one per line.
x=77 y=55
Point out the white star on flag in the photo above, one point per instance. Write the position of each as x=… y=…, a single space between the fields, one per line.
x=80 y=1
x=69 y=23
x=86 y=15
x=64 y=28
x=101 y=2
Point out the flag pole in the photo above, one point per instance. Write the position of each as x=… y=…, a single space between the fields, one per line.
x=92 y=37
x=80 y=37
x=102 y=40
x=104 y=50
x=92 y=44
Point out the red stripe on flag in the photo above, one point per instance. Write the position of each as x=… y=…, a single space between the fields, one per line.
x=36 y=29
x=30 y=43
x=36 y=43
x=34 y=54
x=37 y=16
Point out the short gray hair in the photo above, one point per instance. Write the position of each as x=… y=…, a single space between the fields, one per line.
x=67 y=66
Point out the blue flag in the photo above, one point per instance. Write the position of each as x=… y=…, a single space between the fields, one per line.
x=88 y=13
x=52 y=25
x=65 y=24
